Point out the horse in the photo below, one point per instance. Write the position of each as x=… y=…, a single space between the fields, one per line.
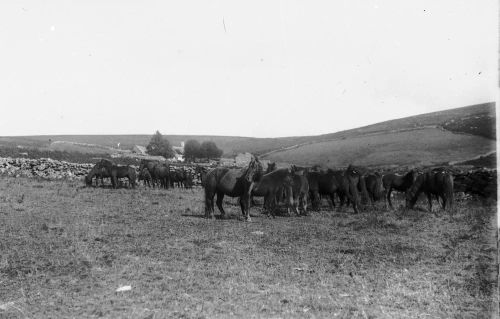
x=118 y=171
x=374 y=186
x=145 y=176
x=98 y=171
x=300 y=189
x=351 y=184
x=270 y=184
x=431 y=183
x=161 y=172
x=233 y=182
x=324 y=183
x=397 y=182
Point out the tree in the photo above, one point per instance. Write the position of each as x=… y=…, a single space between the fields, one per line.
x=192 y=150
x=209 y=150
x=160 y=146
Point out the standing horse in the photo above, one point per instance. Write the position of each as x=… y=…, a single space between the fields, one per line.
x=270 y=185
x=300 y=188
x=232 y=182
x=374 y=186
x=324 y=183
x=431 y=183
x=399 y=183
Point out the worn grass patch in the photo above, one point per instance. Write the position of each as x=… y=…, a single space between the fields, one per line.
x=66 y=249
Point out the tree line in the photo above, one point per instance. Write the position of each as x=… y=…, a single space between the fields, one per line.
x=193 y=149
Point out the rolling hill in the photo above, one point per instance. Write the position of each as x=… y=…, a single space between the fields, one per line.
x=456 y=134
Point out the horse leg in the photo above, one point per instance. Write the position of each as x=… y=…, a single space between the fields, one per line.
x=220 y=197
x=429 y=198
x=389 y=198
x=332 y=199
x=209 y=204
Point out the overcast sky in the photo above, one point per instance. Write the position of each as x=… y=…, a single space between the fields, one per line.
x=246 y=68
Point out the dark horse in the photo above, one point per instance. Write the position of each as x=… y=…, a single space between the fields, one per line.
x=232 y=182
x=300 y=188
x=324 y=183
x=118 y=171
x=270 y=184
x=399 y=183
x=160 y=172
x=374 y=186
x=431 y=183
x=98 y=171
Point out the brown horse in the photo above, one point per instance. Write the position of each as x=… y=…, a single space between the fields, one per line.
x=399 y=183
x=374 y=186
x=145 y=176
x=352 y=183
x=324 y=184
x=231 y=182
x=269 y=185
x=98 y=171
x=431 y=183
x=118 y=171
x=300 y=188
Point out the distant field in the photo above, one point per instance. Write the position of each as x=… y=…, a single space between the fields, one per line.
x=66 y=249
x=423 y=146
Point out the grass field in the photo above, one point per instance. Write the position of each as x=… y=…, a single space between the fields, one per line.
x=66 y=249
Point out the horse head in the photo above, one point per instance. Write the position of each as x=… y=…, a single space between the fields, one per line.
x=254 y=170
x=413 y=192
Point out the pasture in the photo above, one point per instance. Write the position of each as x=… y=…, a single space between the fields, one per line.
x=66 y=249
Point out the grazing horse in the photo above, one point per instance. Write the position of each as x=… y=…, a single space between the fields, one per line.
x=118 y=171
x=161 y=172
x=98 y=171
x=269 y=185
x=431 y=183
x=397 y=182
x=232 y=182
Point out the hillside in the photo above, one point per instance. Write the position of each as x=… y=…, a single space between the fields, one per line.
x=452 y=135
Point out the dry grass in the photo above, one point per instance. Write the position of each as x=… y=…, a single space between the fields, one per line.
x=66 y=249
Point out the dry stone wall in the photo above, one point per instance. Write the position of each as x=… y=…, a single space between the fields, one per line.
x=43 y=168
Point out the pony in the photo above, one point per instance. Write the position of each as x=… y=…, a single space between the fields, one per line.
x=118 y=171
x=324 y=183
x=98 y=171
x=439 y=184
x=269 y=185
x=300 y=190
x=374 y=186
x=397 y=182
x=145 y=176
x=232 y=182
x=351 y=184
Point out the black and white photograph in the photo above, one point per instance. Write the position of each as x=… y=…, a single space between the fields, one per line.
x=249 y=159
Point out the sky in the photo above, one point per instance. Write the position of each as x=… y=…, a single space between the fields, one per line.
x=246 y=68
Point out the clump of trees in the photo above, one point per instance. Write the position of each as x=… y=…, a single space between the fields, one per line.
x=160 y=146
x=207 y=149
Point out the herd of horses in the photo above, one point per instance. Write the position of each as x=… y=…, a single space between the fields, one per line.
x=152 y=173
x=293 y=187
